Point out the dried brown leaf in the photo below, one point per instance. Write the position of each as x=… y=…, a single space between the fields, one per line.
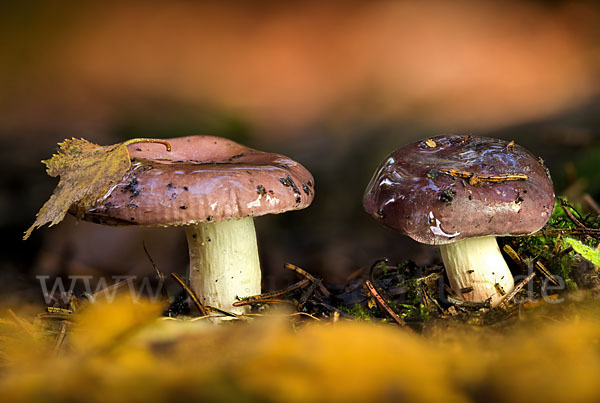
x=87 y=172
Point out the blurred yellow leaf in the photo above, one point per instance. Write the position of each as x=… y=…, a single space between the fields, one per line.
x=102 y=325
x=347 y=362
x=87 y=171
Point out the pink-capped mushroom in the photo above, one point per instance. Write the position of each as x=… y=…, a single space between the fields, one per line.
x=213 y=187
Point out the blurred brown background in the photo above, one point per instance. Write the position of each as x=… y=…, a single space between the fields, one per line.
x=335 y=85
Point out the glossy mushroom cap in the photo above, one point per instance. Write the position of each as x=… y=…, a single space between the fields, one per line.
x=416 y=192
x=202 y=179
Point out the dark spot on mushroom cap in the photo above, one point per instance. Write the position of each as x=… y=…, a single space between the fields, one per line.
x=447 y=195
x=132 y=187
x=183 y=207
x=289 y=182
x=519 y=197
x=260 y=189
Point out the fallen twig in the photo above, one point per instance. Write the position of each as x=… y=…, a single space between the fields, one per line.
x=305 y=314
x=564 y=252
x=510 y=296
x=159 y=274
x=264 y=301
x=199 y=318
x=273 y=294
x=385 y=306
x=307 y=294
x=468 y=304
x=514 y=255
x=309 y=276
x=191 y=293
x=221 y=312
x=542 y=269
x=428 y=300
x=475 y=179
x=567 y=209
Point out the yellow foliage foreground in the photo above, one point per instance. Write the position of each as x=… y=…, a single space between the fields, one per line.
x=124 y=352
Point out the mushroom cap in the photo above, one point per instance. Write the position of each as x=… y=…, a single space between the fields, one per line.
x=202 y=179
x=410 y=193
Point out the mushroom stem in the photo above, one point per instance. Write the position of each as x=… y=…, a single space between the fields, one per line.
x=224 y=262
x=476 y=269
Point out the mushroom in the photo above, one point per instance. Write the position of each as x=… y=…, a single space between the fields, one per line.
x=460 y=193
x=214 y=187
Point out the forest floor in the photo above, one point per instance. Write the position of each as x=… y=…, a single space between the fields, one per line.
x=391 y=332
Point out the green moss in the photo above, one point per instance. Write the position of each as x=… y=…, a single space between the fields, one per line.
x=359 y=312
x=551 y=250
x=415 y=312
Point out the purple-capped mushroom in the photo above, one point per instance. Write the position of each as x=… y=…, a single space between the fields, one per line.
x=461 y=193
x=214 y=187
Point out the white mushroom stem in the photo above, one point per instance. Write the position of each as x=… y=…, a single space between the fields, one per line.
x=224 y=262
x=476 y=269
